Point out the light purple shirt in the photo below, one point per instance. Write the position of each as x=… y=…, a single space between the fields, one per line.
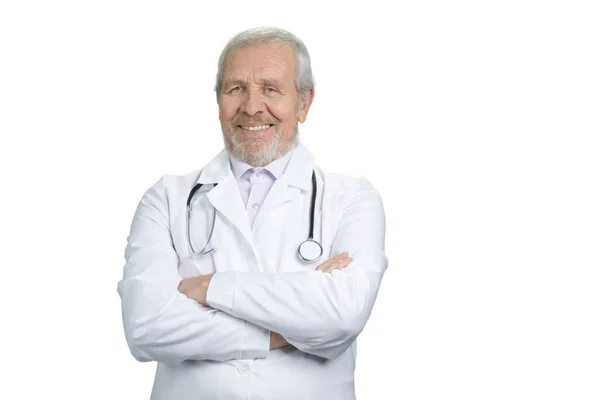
x=255 y=182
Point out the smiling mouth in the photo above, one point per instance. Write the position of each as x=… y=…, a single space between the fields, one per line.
x=256 y=128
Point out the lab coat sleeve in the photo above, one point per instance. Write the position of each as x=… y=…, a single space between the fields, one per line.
x=318 y=313
x=160 y=323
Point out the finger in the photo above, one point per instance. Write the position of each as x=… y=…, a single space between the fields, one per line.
x=329 y=263
x=341 y=264
x=328 y=267
x=321 y=267
x=340 y=256
x=345 y=263
x=338 y=265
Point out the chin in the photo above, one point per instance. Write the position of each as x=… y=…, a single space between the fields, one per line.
x=259 y=151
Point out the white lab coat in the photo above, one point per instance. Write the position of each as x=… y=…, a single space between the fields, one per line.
x=261 y=285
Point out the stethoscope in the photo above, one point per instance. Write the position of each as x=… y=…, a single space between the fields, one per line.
x=310 y=250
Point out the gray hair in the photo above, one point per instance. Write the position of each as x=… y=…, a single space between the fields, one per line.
x=303 y=75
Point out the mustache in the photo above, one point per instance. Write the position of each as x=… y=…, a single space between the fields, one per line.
x=262 y=121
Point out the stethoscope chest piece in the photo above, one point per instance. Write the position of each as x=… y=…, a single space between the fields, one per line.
x=310 y=250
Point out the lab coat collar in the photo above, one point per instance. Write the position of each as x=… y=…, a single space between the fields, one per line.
x=299 y=170
x=297 y=173
x=226 y=197
x=296 y=178
x=217 y=169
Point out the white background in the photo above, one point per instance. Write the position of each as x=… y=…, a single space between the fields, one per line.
x=477 y=121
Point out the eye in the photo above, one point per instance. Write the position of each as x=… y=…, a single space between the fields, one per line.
x=271 y=90
x=235 y=89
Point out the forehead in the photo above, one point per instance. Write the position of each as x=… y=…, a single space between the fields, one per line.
x=261 y=61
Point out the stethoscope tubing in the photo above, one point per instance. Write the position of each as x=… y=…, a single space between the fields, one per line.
x=309 y=241
x=188 y=207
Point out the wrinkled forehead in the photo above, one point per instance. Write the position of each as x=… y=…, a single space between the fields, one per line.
x=273 y=62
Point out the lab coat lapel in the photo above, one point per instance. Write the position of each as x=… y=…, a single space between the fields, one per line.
x=226 y=197
x=290 y=185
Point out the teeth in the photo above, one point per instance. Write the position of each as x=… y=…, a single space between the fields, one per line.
x=255 y=128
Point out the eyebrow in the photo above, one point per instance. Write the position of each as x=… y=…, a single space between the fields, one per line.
x=232 y=82
x=267 y=82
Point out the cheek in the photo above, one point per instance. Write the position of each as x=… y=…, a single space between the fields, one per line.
x=284 y=113
x=227 y=111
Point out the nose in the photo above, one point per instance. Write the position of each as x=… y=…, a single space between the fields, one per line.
x=253 y=102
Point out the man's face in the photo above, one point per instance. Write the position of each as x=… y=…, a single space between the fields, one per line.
x=258 y=106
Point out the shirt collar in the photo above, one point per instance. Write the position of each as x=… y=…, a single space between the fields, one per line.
x=276 y=167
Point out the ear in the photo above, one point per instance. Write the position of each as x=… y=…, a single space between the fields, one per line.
x=305 y=105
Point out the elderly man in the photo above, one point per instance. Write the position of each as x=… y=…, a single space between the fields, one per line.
x=252 y=277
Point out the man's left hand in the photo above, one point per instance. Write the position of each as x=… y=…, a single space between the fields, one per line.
x=195 y=288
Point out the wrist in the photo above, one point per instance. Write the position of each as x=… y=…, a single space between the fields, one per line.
x=196 y=288
x=277 y=341
x=204 y=283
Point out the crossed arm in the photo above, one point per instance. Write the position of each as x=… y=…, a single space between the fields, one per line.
x=320 y=312
x=196 y=288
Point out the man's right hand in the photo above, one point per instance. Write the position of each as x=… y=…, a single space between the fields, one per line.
x=340 y=261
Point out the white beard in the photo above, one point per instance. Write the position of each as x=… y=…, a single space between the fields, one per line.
x=257 y=152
